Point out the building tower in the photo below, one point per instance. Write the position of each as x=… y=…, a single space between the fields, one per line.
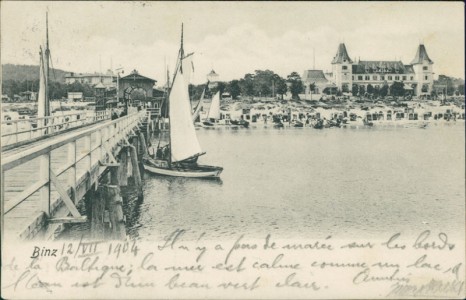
x=213 y=79
x=423 y=68
x=342 y=69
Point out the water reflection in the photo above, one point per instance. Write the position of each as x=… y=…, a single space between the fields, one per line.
x=132 y=206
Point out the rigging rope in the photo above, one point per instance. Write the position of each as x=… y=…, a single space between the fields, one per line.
x=55 y=78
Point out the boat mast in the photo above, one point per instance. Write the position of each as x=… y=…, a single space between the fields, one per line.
x=178 y=65
x=181 y=50
x=46 y=69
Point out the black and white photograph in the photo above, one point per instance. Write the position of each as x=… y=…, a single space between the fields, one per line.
x=232 y=150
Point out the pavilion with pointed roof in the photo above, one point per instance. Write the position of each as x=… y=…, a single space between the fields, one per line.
x=134 y=80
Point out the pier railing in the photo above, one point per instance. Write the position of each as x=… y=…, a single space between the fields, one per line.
x=15 y=131
x=64 y=164
x=153 y=112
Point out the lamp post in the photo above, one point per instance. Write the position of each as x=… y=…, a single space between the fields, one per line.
x=119 y=71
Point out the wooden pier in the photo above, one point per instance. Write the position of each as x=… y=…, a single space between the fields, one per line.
x=43 y=180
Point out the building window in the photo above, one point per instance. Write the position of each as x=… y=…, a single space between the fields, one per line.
x=359 y=77
x=374 y=77
x=412 y=77
x=426 y=77
x=397 y=77
x=345 y=67
x=425 y=68
x=382 y=77
x=352 y=77
x=367 y=77
x=389 y=77
x=404 y=77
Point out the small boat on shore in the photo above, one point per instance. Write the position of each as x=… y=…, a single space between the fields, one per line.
x=179 y=157
x=242 y=123
x=368 y=123
x=319 y=124
x=297 y=123
x=278 y=124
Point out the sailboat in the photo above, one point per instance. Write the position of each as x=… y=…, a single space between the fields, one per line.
x=199 y=106
x=214 y=111
x=179 y=156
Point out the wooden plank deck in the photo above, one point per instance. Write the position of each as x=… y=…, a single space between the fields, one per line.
x=19 y=178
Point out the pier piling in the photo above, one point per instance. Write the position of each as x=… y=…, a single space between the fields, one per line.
x=123 y=169
x=143 y=144
x=98 y=212
x=135 y=143
x=148 y=129
x=114 y=204
x=134 y=167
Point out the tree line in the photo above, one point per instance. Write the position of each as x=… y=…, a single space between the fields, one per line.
x=29 y=72
x=261 y=83
x=57 y=90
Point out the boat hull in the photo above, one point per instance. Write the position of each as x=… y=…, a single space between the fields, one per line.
x=195 y=171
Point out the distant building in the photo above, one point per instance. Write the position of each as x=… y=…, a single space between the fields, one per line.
x=28 y=96
x=99 y=89
x=440 y=89
x=417 y=76
x=213 y=79
x=75 y=96
x=158 y=92
x=316 y=83
x=135 y=81
x=445 y=85
x=108 y=79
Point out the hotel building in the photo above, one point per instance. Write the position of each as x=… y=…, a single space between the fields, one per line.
x=417 y=76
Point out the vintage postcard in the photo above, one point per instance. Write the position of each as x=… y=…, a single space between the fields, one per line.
x=232 y=150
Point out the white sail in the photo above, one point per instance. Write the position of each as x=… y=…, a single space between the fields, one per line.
x=199 y=105
x=187 y=65
x=197 y=110
x=214 y=110
x=184 y=142
x=41 y=102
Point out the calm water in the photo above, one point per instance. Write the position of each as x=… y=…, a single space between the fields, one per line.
x=313 y=183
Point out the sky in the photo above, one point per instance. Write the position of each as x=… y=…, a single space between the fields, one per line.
x=233 y=38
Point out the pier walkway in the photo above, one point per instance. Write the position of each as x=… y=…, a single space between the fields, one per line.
x=43 y=180
x=24 y=130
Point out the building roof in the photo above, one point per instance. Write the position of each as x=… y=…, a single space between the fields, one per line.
x=99 y=85
x=421 y=56
x=212 y=73
x=381 y=67
x=316 y=76
x=342 y=55
x=81 y=75
x=27 y=93
x=135 y=76
x=212 y=77
x=409 y=69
